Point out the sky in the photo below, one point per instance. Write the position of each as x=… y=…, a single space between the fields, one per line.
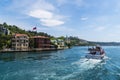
x=92 y=20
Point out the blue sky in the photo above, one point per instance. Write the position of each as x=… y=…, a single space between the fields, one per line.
x=93 y=20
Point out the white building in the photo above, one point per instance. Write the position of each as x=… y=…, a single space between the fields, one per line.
x=20 y=42
x=4 y=30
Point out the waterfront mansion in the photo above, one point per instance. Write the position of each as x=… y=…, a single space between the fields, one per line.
x=20 y=42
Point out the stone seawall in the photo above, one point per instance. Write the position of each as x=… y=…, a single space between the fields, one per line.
x=31 y=50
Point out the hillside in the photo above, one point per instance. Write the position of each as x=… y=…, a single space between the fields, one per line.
x=5 y=40
x=106 y=43
x=16 y=29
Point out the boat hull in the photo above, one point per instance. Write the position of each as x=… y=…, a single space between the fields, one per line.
x=91 y=56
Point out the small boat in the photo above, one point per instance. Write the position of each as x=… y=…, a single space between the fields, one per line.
x=95 y=53
x=92 y=56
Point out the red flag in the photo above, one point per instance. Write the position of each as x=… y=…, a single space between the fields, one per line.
x=34 y=28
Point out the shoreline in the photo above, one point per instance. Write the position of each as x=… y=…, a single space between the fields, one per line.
x=33 y=50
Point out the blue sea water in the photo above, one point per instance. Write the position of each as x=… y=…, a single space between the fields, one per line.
x=69 y=64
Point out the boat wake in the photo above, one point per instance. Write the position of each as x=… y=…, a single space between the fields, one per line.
x=82 y=65
x=86 y=64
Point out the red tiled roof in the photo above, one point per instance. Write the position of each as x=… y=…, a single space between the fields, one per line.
x=21 y=35
x=39 y=37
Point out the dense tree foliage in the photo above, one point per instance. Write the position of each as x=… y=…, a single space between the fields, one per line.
x=16 y=29
x=74 y=41
x=5 y=41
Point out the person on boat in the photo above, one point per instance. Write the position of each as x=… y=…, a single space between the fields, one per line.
x=102 y=52
x=99 y=50
x=92 y=50
x=96 y=51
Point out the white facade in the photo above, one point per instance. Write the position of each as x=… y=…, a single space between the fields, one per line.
x=20 y=42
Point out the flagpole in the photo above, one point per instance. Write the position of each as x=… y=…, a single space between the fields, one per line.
x=36 y=31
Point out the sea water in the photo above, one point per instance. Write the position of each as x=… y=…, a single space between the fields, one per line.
x=69 y=64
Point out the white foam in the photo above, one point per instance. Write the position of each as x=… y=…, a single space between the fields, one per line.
x=36 y=78
x=85 y=64
x=67 y=76
x=106 y=57
x=118 y=74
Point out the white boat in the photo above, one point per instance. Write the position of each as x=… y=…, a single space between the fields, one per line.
x=95 y=53
x=93 y=56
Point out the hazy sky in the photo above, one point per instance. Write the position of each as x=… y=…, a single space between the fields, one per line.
x=93 y=20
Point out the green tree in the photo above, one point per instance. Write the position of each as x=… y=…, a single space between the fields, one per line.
x=5 y=41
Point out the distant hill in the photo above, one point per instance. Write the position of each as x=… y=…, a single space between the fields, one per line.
x=106 y=43
x=77 y=41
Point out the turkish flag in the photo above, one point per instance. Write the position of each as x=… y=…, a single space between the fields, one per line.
x=34 y=28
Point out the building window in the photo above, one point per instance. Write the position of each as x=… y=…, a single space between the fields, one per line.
x=23 y=44
x=13 y=45
x=25 y=37
x=18 y=37
x=26 y=40
x=17 y=40
x=22 y=41
x=13 y=40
